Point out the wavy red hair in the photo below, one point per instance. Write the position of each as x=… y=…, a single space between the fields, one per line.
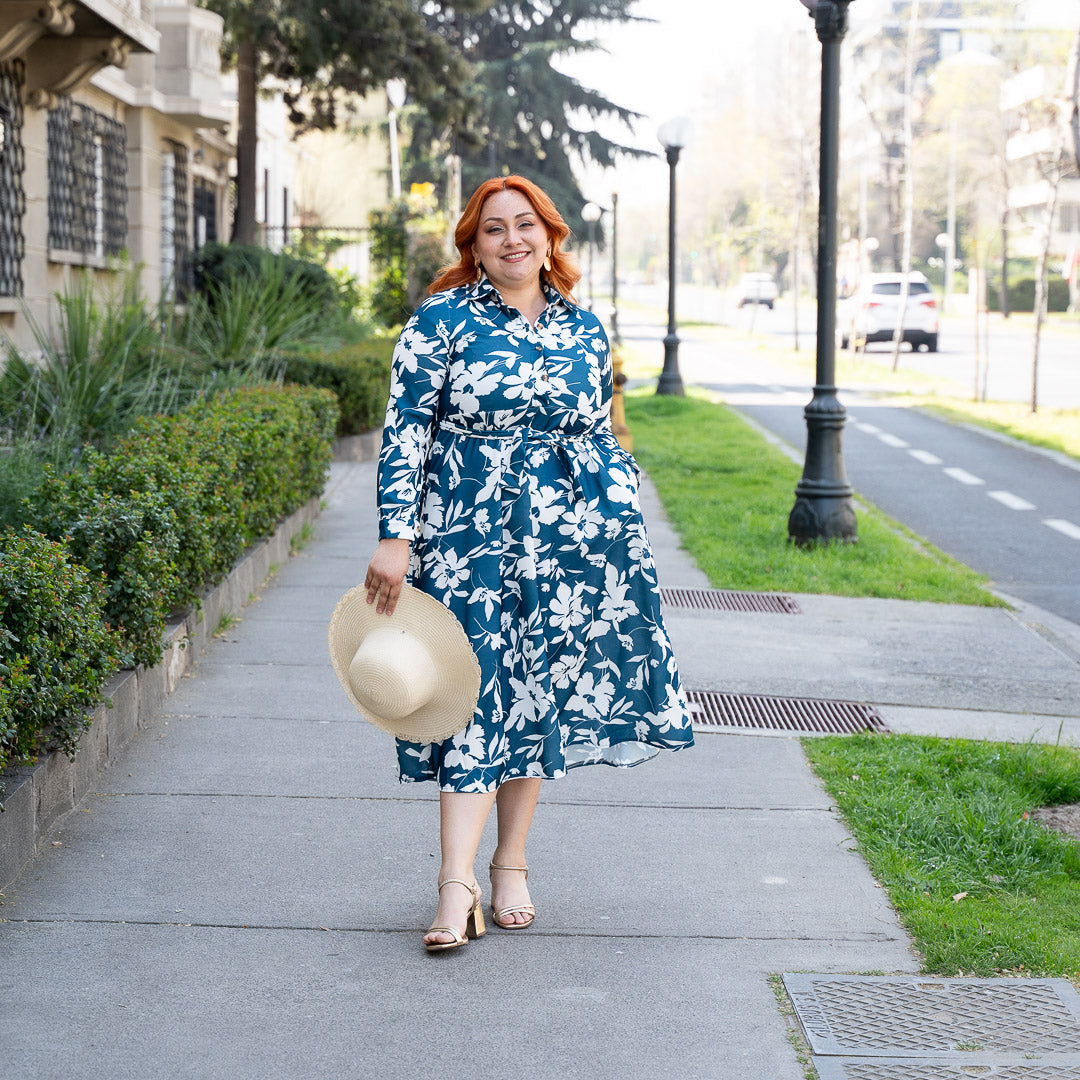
x=564 y=274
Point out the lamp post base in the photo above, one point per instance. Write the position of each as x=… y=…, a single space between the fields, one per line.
x=824 y=510
x=670 y=381
x=822 y=519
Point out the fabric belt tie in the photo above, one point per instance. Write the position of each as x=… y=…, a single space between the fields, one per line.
x=512 y=480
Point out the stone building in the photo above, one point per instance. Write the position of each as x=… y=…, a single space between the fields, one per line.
x=113 y=150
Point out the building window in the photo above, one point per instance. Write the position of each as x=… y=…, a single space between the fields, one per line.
x=175 y=229
x=87 y=181
x=12 y=166
x=204 y=205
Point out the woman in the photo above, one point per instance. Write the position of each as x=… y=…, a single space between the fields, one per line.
x=504 y=494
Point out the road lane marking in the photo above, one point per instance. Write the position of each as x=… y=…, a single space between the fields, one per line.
x=925 y=457
x=893 y=440
x=868 y=428
x=1013 y=502
x=1066 y=528
x=964 y=477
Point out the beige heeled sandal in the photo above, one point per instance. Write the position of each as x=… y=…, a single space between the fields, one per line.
x=474 y=924
x=525 y=909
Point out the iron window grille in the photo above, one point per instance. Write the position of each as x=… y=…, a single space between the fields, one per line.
x=12 y=168
x=176 y=268
x=204 y=206
x=87 y=180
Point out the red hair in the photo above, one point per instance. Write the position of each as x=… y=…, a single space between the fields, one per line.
x=564 y=274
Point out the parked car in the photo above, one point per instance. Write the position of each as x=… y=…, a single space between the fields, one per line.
x=871 y=313
x=758 y=289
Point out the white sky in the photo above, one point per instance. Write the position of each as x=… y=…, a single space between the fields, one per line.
x=660 y=69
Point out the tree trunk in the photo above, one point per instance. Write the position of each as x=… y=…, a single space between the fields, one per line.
x=247 y=87
x=1040 y=273
x=1006 y=310
x=1072 y=92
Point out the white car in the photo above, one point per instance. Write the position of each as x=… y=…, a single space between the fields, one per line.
x=872 y=312
x=758 y=289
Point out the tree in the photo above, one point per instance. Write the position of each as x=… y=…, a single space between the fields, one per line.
x=322 y=52
x=524 y=115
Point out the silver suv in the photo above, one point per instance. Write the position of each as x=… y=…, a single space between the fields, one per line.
x=758 y=289
x=872 y=312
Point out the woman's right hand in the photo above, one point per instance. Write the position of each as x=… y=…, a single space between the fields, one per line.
x=385 y=574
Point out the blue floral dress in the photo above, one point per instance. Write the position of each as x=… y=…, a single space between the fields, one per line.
x=499 y=465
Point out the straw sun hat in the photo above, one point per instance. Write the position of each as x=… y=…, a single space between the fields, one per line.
x=412 y=673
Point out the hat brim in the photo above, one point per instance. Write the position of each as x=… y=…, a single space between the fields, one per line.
x=457 y=684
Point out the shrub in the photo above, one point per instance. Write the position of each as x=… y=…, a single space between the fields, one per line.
x=56 y=649
x=215 y=265
x=231 y=468
x=1022 y=295
x=359 y=375
x=389 y=257
x=131 y=542
x=104 y=368
x=163 y=513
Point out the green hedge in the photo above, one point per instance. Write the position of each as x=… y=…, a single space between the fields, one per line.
x=134 y=535
x=359 y=375
x=56 y=649
x=1022 y=295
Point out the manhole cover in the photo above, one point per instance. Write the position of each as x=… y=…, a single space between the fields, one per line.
x=890 y=1016
x=711 y=709
x=970 y=1068
x=729 y=600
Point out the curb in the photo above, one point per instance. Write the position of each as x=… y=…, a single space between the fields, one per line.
x=38 y=797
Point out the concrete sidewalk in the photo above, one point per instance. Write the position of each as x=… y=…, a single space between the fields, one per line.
x=245 y=894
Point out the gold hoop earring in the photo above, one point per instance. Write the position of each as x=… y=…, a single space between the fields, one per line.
x=479 y=272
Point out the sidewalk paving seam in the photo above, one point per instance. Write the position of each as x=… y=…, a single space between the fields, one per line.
x=691 y=807
x=550 y=932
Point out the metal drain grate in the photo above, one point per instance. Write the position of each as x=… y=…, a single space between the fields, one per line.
x=894 y=1016
x=971 y=1065
x=729 y=600
x=711 y=709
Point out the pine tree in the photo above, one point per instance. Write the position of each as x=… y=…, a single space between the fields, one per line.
x=322 y=51
x=523 y=115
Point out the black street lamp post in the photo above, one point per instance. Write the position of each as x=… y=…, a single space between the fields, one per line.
x=823 y=508
x=673 y=136
x=590 y=214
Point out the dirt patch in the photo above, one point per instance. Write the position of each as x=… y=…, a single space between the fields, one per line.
x=1064 y=818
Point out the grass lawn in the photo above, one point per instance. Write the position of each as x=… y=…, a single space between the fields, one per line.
x=944 y=825
x=1054 y=429
x=728 y=494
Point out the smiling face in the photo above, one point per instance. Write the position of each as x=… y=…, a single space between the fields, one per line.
x=511 y=241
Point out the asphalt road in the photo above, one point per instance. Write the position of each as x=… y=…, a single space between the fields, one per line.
x=1003 y=509
x=1005 y=349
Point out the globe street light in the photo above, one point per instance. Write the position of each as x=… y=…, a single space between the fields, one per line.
x=590 y=214
x=823 y=505
x=673 y=136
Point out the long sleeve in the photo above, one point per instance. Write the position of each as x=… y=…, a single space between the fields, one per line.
x=419 y=368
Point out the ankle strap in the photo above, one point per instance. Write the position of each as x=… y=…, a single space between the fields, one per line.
x=496 y=866
x=474 y=889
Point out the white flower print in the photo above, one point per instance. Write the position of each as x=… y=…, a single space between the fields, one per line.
x=523 y=519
